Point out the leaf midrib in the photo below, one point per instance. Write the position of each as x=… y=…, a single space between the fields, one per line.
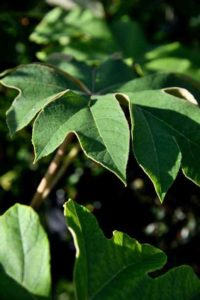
x=153 y=142
x=104 y=142
x=172 y=128
x=21 y=283
x=33 y=83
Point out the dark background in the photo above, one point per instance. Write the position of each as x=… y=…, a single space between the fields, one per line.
x=173 y=226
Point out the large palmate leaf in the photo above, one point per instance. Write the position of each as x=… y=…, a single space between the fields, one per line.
x=39 y=84
x=24 y=256
x=161 y=147
x=118 y=269
x=100 y=126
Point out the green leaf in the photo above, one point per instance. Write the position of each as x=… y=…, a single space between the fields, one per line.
x=118 y=268
x=173 y=57
x=78 y=69
x=110 y=73
x=159 y=81
x=99 y=78
x=75 y=33
x=105 y=139
x=130 y=37
x=76 y=23
x=93 y=5
x=79 y=32
x=24 y=256
x=100 y=126
x=159 y=144
x=166 y=135
x=37 y=85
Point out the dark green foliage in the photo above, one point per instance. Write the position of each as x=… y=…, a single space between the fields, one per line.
x=123 y=77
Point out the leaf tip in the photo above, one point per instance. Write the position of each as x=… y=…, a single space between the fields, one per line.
x=67 y=205
x=161 y=196
x=36 y=158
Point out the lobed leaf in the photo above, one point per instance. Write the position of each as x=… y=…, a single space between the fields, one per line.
x=37 y=85
x=24 y=256
x=165 y=128
x=166 y=135
x=100 y=126
x=118 y=268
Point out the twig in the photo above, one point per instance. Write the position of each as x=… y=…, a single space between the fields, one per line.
x=45 y=184
x=67 y=161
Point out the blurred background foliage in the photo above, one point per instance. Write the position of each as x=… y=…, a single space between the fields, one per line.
x=158 y=35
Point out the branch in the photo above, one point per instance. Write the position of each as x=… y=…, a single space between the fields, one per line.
x=45 y=185
x=67 y=161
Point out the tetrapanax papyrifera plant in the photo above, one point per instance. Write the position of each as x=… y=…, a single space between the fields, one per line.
x=112 y=114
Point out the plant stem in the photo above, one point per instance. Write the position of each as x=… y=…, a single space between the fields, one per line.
x=66 y=162
x=45 y=185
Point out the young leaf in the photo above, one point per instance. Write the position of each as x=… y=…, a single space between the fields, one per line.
x=100 y=126
x=24 y=256
x=119 y=268
x=166 y=135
